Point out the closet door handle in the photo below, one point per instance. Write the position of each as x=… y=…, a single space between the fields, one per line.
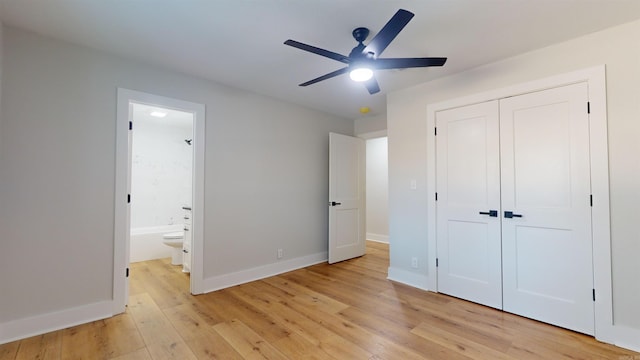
x=492 y=213
x=510 y=214
x=333 y=203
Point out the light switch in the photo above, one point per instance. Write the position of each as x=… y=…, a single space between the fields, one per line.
x=413 y=185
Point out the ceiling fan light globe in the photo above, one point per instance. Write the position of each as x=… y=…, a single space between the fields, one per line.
x=361 y=74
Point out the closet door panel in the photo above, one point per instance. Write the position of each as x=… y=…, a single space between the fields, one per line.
x=546 y=237
x=468 y=184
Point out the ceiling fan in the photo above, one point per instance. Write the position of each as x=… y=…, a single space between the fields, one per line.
x=364 y=59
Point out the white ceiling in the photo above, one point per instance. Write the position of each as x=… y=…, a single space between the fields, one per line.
x=240 y=42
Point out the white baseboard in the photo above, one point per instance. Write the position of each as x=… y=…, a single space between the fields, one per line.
x=261 y=272
x=627 y=338
x=41 y=324
x=378 y=238
x=408 y=278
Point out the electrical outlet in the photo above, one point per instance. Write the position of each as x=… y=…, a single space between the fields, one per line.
x=280 y=253
x=414 y=262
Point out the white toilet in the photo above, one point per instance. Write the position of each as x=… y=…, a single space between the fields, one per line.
x=175 y=240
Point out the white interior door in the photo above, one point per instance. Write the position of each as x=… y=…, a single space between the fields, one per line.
x=468 y=204
x=347 y=158
x=547 y=244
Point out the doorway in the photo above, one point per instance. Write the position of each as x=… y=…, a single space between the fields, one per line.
x=130 y=103
x=161 y=184
x=377 y=189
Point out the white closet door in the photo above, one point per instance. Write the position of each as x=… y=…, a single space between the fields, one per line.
x=468 y=186
x=547 y=252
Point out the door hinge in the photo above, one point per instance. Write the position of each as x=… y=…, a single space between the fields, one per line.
x=130 y=125
x=594 y=294
x=128 y=198
x=127 y=273
x=588 y=107
x=591 y=200
x=436 y=196
x=435 y=131
x=437 y=262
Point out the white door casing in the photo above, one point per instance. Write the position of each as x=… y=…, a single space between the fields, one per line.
x=347 y=156
x=547 y=253
x=468 y=182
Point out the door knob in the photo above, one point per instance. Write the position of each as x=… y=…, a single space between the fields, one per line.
x=333 y=203
x=492 y=213
x=510 y=214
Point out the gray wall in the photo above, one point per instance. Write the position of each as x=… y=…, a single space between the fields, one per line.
x=369 y=124
x=266 y=173
x=618 y=49
x=1 y=52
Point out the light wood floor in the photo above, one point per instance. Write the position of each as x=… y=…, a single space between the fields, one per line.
x=342 y=311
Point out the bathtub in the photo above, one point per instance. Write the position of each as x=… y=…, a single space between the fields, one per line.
x=146 y=242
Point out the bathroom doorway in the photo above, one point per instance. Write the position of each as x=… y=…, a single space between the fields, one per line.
x=159 y=186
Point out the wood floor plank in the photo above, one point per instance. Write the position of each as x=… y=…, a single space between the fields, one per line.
x=237 y=308
x=296 y=346
x=332 y=325
x=212 y=346
x=478 y=322
x=493 y=336
x=313 y=299
x=166 y=286
x=355 y=276
x=9 y=351
x=247 y=342
x=137 y=287
x=142 y=354
x=102 y=339
x=177 y=350
x=399 y=334
x=340 y=291
x=42 y=347
x=187 y=322
x=154 y=327
x=459 y=343
x=281 y=313
x=347 y=310
x=160 y=336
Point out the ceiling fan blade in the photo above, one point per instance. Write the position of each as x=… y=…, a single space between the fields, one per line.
x=388 y=32
x=318 y=51
x=372 y=85
x=327 y=76
x=402 y=63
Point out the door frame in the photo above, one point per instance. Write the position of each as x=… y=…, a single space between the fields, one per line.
x=122 y=186
x=595 y=78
